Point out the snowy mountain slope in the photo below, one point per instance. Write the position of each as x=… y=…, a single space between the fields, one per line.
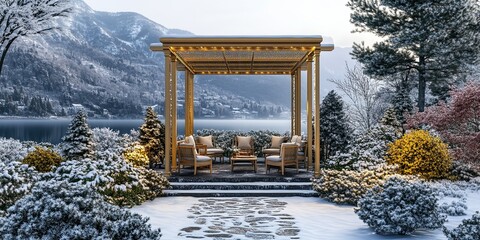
x=102 y=60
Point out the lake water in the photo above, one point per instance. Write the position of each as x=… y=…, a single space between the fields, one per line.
x=53 y=130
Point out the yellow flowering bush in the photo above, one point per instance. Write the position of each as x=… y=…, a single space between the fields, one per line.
x=418 y=152
x=136 y=155
x=43 y=159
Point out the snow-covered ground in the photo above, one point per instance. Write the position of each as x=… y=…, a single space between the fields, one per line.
x=315 y=217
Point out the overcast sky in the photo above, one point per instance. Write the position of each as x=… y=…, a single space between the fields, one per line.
x=246 y=17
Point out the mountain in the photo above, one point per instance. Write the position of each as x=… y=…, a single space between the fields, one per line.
x=102 y=61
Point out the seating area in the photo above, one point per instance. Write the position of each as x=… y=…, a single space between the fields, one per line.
x=282 y=153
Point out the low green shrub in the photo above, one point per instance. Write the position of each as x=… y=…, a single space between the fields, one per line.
x=16 y=181
x=119 y=182
x=62 y=210
x=224 y=138
x=400 y=206
x=469 y=229
x=347 y=186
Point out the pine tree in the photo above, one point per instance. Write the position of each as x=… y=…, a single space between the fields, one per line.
x=152 y=137
x=78 y=142
x=335 y=132
x=434 y=39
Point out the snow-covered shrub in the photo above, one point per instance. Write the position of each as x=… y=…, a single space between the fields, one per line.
x=16 y=180
x=224 y=138
x=107 y=142
x=454 y=208
x=78 y=142
x=120 y=183
x=152 y=137
x=469 y=229
x=11 y=150
x=136 y=155
x=367 y=150
x=346 y=186
x=42 y=159
x=418 y=152
x=463 y=171
x=61 y=210
x=400 y=207
x=153 y=182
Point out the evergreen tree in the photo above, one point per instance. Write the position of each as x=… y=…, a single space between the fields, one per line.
x=434 y=39
x=78 y=142
x=335 y=132
x=368 y=149
x=152 y=137
x=401 y=101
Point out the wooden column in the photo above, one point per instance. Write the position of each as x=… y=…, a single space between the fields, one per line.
x=298 y=102
x=309 y=152
x=292 y=105
x=174 y=112
x=189 y=104
x=167 y=113
x=317 y=112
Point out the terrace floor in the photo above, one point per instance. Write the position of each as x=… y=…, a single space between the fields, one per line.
x=242 y=172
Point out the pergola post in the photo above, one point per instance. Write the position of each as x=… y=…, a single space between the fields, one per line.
x=317 y=113
x=167 y=113
x=309 y=152
x=189 y=103
x=174 y=111
x=293 y=104
x=298 y=102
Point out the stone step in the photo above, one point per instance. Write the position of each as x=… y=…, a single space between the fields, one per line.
x=241 y=185
x=238 y=179
x=241 y=193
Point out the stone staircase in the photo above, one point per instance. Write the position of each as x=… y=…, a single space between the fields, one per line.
x=240 y=187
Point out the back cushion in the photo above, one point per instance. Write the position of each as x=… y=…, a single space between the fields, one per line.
x=191 y=140
x=244 y=142
x=207 y=140
x=277 y=141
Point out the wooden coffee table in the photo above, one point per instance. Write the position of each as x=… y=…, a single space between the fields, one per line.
x=234 y=160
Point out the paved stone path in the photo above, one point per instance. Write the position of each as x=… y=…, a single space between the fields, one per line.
x=240 y=218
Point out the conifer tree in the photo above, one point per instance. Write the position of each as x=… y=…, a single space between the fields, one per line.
x=368 y=149
x=152 y=137
x=78 y=142
x=401 y=102
x=335 y=132
x=433 y=39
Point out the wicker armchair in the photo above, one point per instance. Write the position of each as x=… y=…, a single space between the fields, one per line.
x=287 y=157
x=188 y=156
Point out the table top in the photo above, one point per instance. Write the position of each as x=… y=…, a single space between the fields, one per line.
x=244 y=157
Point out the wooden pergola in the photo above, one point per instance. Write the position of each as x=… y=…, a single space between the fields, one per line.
x=245 y=55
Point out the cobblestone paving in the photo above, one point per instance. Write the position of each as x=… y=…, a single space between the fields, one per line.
x=240 y=218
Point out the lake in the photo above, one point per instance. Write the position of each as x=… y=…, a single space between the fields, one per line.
x=52 y=130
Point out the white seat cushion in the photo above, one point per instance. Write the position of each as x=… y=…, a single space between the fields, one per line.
x=207 y=140
x=201 y=158
x=214 y=150
x=300 y=153
x=275 y=151
x=274 y=158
